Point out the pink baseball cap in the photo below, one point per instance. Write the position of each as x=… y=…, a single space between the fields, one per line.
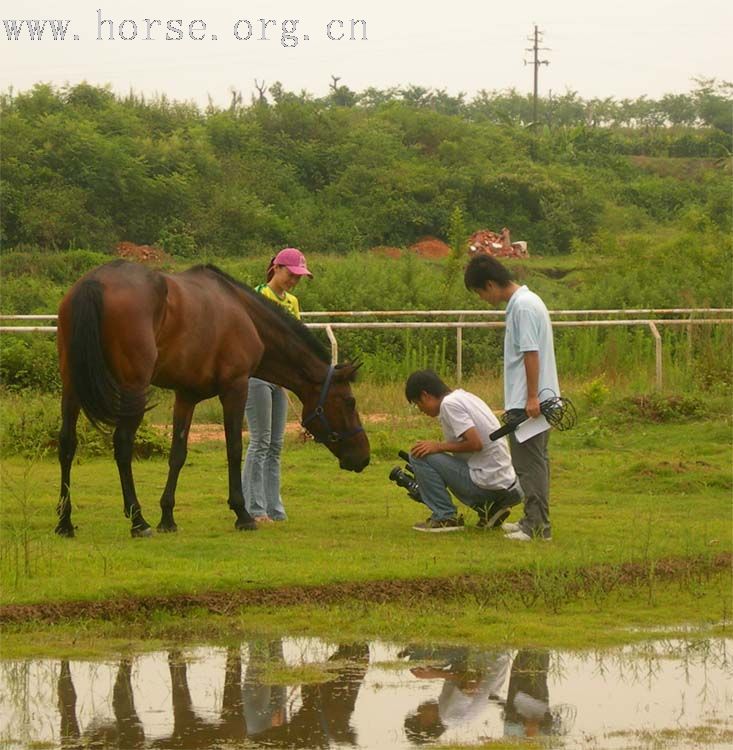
x=293 y=260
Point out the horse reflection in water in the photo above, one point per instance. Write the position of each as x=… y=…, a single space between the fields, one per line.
x=250 y=708
x=200 y=333
x=125 y=732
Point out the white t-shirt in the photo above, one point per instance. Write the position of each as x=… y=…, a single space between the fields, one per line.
x=491 y=467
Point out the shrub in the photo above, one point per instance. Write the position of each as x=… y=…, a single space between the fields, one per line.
x=29 y=362
x=31 y=423
x=658 y=407
x=596 y=392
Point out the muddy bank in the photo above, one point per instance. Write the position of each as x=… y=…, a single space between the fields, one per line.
x=526 y=583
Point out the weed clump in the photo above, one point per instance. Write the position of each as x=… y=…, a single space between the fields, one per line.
x=657 y=407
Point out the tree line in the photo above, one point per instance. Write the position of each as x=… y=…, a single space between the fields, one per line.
x=85 y=168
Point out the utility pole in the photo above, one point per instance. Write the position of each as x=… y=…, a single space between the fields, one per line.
x=536 y=62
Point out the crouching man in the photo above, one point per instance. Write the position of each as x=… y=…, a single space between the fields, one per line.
x=477 y=470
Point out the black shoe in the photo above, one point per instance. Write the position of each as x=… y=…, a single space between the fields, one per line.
x=433 y=525
x=493 y=519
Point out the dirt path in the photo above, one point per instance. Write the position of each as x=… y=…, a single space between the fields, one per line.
x=522 y=582
x=202 y=433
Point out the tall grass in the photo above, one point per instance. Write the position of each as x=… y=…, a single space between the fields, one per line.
x=607 y=273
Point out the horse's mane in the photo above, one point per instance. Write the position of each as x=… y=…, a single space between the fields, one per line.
x=289 y=321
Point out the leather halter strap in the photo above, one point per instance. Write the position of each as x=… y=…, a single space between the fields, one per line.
x=332 y=436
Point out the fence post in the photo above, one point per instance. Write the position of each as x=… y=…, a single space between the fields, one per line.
x=459 y=351
x=334 y=345
x=658 y=352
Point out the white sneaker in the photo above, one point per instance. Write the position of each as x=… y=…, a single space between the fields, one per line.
x=518 y=536
x=510 y=528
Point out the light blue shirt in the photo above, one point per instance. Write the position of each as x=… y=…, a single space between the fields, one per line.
x=528 y=329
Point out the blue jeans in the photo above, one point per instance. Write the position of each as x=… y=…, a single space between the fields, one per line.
x=266 y=411
x=439 y=472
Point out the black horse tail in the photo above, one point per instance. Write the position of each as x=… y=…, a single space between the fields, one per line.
x=97 y=389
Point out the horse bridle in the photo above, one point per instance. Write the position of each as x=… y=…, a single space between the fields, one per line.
x=318 y=413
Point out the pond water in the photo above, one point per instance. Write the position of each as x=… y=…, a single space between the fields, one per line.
x=309 y=693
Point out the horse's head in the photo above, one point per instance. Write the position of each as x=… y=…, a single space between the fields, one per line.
x=329 y=414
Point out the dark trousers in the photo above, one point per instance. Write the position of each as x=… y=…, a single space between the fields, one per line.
x=532 y=464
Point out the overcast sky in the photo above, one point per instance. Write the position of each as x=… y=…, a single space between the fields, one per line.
x=624 y=48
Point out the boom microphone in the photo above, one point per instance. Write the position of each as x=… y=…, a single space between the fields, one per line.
x=506 y=429
x=558 y=411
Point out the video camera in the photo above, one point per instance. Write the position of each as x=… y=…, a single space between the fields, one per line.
x=406 y=478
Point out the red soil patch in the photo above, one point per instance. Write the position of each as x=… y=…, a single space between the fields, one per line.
x=431 y=247
x=386 y=251
x=140 y=253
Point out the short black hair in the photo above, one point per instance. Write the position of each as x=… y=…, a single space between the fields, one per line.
x=420 y=732
x=483 y=268
x=424 y=380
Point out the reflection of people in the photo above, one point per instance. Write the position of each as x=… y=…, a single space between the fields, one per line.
x=324 y=717
x=263 y=704
x=423 y=725
x=529 y=373
x=527 y=710
x=469 y=681
x=467 y=462
x=267 y=405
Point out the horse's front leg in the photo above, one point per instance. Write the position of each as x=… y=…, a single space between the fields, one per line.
x=233 y=400
x=123 y=439
x=67 y=706
x=182 y=415
x=130 y=731
x=67 y=449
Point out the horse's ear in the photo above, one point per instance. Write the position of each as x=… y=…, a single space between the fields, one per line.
x=347 y=370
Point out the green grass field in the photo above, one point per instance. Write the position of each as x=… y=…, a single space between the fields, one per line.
x=625 y=493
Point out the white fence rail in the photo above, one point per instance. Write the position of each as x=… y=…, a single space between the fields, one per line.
x=685 y=316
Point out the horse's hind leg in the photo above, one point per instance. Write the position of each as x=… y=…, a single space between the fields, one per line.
x=123 y=442
x=67 y=448
x=182 y=414
x=233 y=400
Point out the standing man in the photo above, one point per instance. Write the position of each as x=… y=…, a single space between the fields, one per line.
x=530 y=374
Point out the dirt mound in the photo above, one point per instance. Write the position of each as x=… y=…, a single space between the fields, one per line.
x=430 y=247
x=497 y=244
x=386 y=251
x=140 y=253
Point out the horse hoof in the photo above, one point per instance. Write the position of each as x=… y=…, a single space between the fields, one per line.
x=246 y=525
x=170 y=528
x=139 y=533
x=67 y=531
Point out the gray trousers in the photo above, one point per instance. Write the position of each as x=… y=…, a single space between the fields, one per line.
x=532 y=464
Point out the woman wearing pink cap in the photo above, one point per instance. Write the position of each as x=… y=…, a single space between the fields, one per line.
x=267 y=404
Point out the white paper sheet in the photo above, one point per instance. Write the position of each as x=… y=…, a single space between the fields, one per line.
x=531 y=427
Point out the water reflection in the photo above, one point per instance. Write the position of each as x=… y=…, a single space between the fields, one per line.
x=473 y=680
x=374 y=696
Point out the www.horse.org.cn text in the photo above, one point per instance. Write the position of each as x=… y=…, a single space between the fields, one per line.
x=289 y=32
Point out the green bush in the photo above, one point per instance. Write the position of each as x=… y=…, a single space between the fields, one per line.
x=31 y=423
x=61 y=268
x=29 y=361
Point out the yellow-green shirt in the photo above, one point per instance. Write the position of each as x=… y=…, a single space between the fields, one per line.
x=289 y=301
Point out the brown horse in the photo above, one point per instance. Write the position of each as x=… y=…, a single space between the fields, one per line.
x=200 y=333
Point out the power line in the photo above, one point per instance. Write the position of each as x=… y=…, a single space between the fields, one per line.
x=536 y=62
